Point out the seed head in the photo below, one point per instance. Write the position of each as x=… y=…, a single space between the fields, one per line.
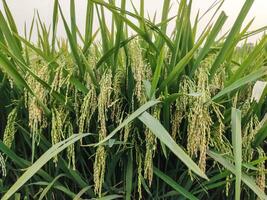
x=139 y=174
x=103 y=104
x=3 y=165
x=37 y=120
x=99 y=169
x=140 y=70
x=10 y=130
x=88 y=108
x=199 y=119
x=151 y=142
x=260 y=180
x=180 y=108
x=58 y=120
x=71 y=148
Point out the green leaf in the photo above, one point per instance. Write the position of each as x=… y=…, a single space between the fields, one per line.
x=129 y=176
x=241 y=82
x=133 y=116
x=174 y=184
x=177 y=70
x=157 y=73
x=21 y=163
x=78 y=196
x=11 y=40
x=231 y=37
x=250 y=182
x=262 y=134
x=210 y=40
x=11 y=22
x=73 y=20
x=237 y=146
x=49 y=186
x=111 y=197
x=10 y=69
x=49 y=154
x=119 y=35
x=73 y=44
x=141 y=32
x=248 y=62
x=54 y=25
x=89 y=24
x=160 y=132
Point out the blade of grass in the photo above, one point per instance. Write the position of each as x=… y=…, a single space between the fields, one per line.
x=62 y=164
x=181 y=64
x=231 y=37
x=119 y=36
x=129 y=176
x=111 y=197
x=89 y=23
x=49 y=154
x=11 y=40
x=11 y=22
x=49 y=186
x=250 y=182
x=133 y=116
x=246 y=65
x=157 y=73
x=142 y=33
x=21 y=163
x=73 y=44
x=237 y=146
x=182 y=191
x=160 y=132
x=54 y=25
x=73 y=20
x=78 y=196
x=241 y=82
x=210 y=41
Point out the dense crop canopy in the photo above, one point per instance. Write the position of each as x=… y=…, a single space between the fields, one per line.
x=129 y=111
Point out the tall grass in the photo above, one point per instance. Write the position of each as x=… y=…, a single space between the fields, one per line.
x=106 y=114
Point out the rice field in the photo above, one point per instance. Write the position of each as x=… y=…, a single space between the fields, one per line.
x=129 y=111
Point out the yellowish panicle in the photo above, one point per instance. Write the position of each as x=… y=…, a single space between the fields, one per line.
x=260 y=180
x=186 y=86
x=88 y=108
x=57 y=134
x=99 y=169
x=104 y=100
x=37 y=119
x=71 y=148
x=151 y=142
x=3 y=165
x=117 y=103
x=10 y=130
x=139 y=174
x=249 y=133
x=140 y=70
x=199 y=119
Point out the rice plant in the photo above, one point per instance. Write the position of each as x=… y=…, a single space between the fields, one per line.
x=129 y=111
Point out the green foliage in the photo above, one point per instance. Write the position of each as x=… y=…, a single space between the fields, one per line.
x=111 y=114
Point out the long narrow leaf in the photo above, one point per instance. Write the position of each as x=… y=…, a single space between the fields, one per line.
x=250 y=182
x=237 y=145
x=49 y=154
x=160 y=132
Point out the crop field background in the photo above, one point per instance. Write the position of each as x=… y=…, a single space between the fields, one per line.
x=131 y=110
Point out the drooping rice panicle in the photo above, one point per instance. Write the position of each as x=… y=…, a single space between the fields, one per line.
x=104 y=100
x=10 y=129
x=150 y=98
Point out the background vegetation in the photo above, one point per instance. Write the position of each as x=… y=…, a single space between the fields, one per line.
x=110 y=115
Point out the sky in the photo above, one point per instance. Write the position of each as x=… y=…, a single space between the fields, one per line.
x=23 y=11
